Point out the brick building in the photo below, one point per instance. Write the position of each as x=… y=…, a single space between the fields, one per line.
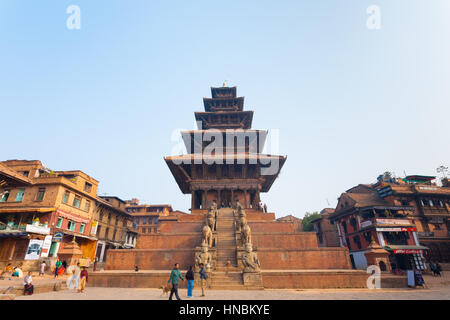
x=146 y=217
x=114 y=226
x=296 y=222
x=430 y=213
x=365 y=220
x=326 y=231
x=42 y=211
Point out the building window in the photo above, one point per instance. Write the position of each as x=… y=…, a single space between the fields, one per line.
x=431 y=203
x=40 y=194
x=99 y=228
x=441 y=204
x=66 y=197
x=114 y=235
x=20 y=194
x=109 y=218
x=405 y=203
x=87 y=205
x=5 y=196
x=25 y=173
x=357 y=241
x=87 y=187
x=71 y=225
x=144 y=220
x=117 y=221
x=424 y=203
x=82 y=226
x=143 y=230
x=59 y=222
x=154 y=230
x=77 y=202
x=344 y=225
x=106 y=233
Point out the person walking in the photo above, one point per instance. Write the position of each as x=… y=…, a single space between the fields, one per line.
x=58 y=265
x=203 y=278
x=42 y=269
x=190 y=282
x=175 y=275
x=73 y=281
x=28 y=284
x=83 y=280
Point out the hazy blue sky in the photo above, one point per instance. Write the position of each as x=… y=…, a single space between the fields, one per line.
x=350 y=103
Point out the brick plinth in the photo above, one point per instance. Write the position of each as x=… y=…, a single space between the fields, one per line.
x=311 y=258
x=314 y=279
x=149 y=259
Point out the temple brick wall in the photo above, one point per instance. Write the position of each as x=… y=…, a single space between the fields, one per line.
x=296 y=259
x=177 y=227
x=168 y=241
x=270 y=226
x=149 y=259
x=284 y=240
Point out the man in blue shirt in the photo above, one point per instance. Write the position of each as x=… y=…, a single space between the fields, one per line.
x=175 y=275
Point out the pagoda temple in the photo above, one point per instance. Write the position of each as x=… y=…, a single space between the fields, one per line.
x=241 y=246
x=224 y=161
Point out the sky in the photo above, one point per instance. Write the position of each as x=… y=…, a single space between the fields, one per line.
x=348 y=102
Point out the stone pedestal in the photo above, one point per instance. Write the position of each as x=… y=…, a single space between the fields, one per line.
x=252 y=279
x=375 y=255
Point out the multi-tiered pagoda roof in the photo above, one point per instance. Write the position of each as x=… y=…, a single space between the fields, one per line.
x=234 y=174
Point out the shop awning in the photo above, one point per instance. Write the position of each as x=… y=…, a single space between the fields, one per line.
x=68 y=233
x=23 y=210
x=405 y=249
x=12 y=233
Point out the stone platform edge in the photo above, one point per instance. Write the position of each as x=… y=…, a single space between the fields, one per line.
x=272 y=279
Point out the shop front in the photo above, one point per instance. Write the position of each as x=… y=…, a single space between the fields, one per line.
x=403 y=258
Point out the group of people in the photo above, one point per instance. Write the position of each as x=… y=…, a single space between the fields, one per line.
x=10 y=272
x=175 y=276
x=78 y=279
x=60 y=267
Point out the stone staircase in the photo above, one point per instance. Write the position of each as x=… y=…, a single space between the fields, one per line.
x=224 y=278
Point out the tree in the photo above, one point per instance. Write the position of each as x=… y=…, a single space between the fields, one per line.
x=306 y=222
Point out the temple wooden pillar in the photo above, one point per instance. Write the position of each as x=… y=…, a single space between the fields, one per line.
x=193 y=200
x=245 y=199
x=205 y=197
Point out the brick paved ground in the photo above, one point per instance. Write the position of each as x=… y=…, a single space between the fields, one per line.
x=438 y=288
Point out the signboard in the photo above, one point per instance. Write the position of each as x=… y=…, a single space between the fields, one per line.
x=37 y=229
x=57 y=237
x=34 y=249
x=366 y=223
x=94 y=227
x=396 y=229
x=408 y=251
x=46 y=246
x=393 y=221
